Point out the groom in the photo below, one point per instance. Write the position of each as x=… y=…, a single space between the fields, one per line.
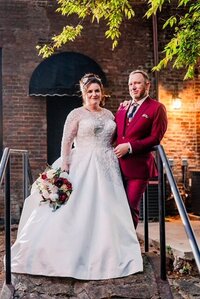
x=140 y=126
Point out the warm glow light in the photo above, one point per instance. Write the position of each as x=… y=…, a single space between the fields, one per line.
x=176 y=103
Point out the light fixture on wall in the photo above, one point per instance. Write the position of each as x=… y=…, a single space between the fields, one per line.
x=176 y=103
x=176 y=100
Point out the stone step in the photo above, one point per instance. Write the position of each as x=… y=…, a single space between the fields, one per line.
x=143 y=285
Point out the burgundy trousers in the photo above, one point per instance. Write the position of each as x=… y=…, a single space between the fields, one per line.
x=134 y=191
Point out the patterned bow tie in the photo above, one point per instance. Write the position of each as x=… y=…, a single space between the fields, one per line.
x=132 y=110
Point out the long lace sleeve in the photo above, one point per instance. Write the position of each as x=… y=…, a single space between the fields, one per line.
x=69 y=133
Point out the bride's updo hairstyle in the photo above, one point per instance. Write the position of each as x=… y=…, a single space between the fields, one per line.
x=85 y=82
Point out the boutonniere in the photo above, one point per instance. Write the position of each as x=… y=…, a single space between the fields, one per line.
x=145 y=115
x=124 y=105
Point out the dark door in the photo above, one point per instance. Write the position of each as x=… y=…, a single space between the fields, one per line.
x=57 y=110
x=60 y=75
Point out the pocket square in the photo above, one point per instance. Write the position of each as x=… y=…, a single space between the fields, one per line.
x=145 y=115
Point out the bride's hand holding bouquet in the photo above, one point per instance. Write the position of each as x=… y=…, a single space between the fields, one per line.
x=54 y=187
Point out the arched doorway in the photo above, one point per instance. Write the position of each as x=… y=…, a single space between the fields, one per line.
x=57 y=79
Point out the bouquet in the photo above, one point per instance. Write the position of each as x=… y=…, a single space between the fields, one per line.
x=54 y=187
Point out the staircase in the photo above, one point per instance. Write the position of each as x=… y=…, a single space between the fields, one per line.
x=141 y=286
x=150 y=284
x=146 y=285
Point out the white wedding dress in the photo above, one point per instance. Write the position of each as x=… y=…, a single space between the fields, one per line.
x=92 y=236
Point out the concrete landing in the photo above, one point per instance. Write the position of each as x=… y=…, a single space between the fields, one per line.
x=176 y=236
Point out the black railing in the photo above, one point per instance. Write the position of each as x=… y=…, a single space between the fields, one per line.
x=5 y=177
x=163 y=164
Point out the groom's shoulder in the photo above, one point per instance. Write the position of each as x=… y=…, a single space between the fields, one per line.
x=155 y=103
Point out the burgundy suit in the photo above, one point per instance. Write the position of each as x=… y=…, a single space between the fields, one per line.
x=145 y=130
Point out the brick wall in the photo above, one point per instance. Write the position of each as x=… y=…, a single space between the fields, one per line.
x=24 y=24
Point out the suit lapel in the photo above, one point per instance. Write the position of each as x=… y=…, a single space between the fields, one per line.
x=125 y=118
x=139 y=112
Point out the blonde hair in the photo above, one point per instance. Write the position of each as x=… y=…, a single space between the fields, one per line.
x=88 y=79
x=143 y=73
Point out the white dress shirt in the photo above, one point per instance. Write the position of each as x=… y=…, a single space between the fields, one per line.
x=139 y=103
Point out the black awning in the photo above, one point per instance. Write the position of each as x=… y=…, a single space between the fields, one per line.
x=60 y=74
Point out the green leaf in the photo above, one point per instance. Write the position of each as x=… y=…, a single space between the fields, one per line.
x=171 y=21
x=183 y=48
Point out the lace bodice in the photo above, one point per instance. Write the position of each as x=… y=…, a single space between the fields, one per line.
x=88 y=130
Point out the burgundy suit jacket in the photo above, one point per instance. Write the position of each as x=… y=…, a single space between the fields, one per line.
x=145 y=130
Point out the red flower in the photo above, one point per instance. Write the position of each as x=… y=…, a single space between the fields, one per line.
x=62 y=197
x=58 y=182
x=44 y=176
x=65 y=181
x=69 y=185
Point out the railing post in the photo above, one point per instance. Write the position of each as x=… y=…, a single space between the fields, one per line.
x=161 y=198
x=181 y=208
x=25 y=175
x=146 y=218
x=5 y=176
x=7 y=225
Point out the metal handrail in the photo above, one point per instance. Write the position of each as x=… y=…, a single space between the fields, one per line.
x=28 y=179
x=3 y=163
x=26 y=166
x=161 y=200
x=180 y=206
x=163 y=163
x=5 y=175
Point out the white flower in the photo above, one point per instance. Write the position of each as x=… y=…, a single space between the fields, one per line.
x=45 y=193
x=40 y=180
x=50 y=173
x=53 y=189
x=53 y=196
x=64 y=175
x=45 y=185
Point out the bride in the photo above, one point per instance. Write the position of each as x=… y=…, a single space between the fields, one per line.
x=92 y=236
